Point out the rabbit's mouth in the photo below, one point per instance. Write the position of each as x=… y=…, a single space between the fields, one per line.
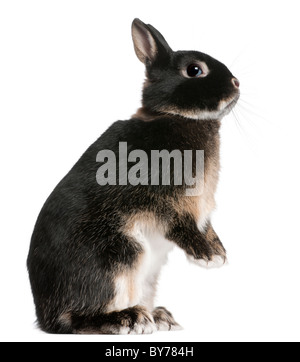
x=226 y=107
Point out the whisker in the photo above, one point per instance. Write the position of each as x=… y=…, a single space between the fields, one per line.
x=245 y=71
x=245 y=116
x=251 y=109
x=241 y=53
x=237 y=122
x=250 y=141
x=236 y=58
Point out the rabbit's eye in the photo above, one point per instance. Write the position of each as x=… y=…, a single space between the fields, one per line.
x=194 y=71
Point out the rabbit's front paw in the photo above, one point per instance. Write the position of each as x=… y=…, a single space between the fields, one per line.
x=216 y=261
x=208 y=254
x=164 y=320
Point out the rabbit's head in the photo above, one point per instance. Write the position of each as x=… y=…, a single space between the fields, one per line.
x=190 y=84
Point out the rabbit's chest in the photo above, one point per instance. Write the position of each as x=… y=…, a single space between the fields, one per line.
x=155 y=253
x=137 y=285
x=201 y=202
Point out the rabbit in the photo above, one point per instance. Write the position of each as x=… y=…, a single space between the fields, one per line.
x=97 y=249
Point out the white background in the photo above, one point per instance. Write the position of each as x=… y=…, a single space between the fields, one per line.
x=68 y=70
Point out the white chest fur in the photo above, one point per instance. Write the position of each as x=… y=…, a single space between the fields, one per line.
x=156 y=249
x=137 y=286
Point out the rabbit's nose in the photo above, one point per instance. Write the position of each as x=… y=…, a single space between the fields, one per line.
x=235 y=82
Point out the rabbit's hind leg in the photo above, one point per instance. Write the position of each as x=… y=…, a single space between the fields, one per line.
x=135 y=320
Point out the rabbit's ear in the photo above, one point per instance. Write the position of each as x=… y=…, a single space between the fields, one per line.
x=149 y=44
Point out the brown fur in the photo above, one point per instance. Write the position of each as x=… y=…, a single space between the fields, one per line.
x=145 y=114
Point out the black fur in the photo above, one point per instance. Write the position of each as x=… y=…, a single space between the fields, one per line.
x=78 y=246
x=167 y=88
